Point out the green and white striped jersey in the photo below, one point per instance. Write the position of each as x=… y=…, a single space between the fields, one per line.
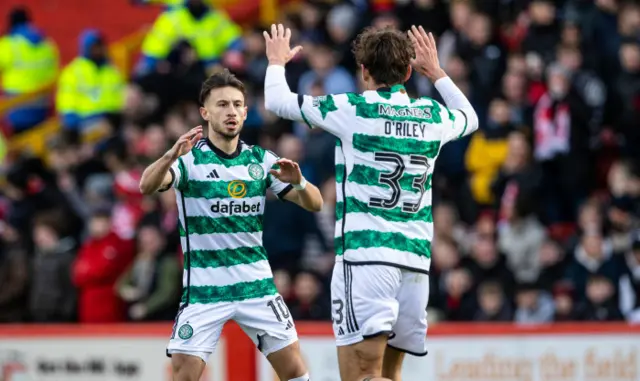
x=387 y=147
x=221 y=200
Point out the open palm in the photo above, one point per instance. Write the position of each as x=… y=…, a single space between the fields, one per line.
x=279 y=51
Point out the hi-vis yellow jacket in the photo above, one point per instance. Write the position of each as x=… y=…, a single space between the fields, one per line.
x=210 y=35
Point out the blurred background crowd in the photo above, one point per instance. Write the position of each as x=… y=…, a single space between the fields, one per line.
x=536 y=214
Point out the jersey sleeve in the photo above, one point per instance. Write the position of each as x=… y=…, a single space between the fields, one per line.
x=328 y=112
x=179 y=176
x=455 y=123
x=279 y=188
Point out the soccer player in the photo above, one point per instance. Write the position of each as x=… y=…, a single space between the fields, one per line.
x=220 y=185
x=386 y=150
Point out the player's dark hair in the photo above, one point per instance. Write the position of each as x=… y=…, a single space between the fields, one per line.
x=385 y=53
x=219 y=80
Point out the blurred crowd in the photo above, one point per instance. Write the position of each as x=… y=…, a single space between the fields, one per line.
x=536 y=215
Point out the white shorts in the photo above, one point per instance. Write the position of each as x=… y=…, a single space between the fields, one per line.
x=267 y=321
x=372 y=300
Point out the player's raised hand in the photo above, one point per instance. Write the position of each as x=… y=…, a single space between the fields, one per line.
x=279 y=51
x=185 y=143
x=289 y=172
x=426 y=61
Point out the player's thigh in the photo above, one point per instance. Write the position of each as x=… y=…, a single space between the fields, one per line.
x=267 y=321
x=197 y=329
x=364 y=310
x=392 y=364
x=363 y=359
x=187 y=366
x=410 y=330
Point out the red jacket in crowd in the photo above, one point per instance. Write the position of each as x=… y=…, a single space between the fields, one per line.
x=100 y=263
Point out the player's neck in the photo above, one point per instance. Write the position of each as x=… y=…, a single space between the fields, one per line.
x=228 y=146
x=377 y=86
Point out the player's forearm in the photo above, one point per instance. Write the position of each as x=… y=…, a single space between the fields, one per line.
x=154 y=175
x=278 y=97
x=455 y=99
x=310 y=198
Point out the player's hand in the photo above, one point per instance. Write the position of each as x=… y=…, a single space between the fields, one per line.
x=185 y=143
x=289 y=172
x=279 y=51
x=426 y=61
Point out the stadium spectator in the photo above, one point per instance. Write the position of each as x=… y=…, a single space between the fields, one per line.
x=544 y=32
x=286 y=250
x=446 y=224
x=493 y=305
x=215 y=38
x=630 y=283
x=626 y=106
x=518 y=177
x=460 y=299
x=318 y=256
x=564 y=304
x=593 y=256
x=28 y=62
x=552 y=263
x=486 y=264
x=601 y=303
x=128 y=208
x=519 y=238
x=487 y=151
x=446 y=258
x=514 y=90
x=90 y=87
x=101 y=260
x=151 y=286
x=32 y=189
x=282 y=280
x=310 y=303
x=52 y=295
x=14 y=275
x=562 y=145
x=533 y=305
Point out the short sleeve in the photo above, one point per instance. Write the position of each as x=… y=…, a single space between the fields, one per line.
x=455 y=124
x=328 y=112
x=279 y=188
x=179 y=176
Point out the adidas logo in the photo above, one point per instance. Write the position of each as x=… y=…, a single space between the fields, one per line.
x=289 y=325
x=340 y=331
x=213 y=175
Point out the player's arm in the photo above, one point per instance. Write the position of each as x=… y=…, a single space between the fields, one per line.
x=289 y=184
x=462 y=118
x=278 y=97
x=167 y=171
x=306 y=196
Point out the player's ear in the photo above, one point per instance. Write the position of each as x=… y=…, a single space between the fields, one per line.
x=409 y=71
x=246 y=112
x=204 y=113
x=364 y=73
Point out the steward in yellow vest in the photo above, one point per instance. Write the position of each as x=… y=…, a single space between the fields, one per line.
x=90 y=87
x=28 y=61
x=210 y=32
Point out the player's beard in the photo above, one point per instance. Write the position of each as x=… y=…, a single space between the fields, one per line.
x=220 y=130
